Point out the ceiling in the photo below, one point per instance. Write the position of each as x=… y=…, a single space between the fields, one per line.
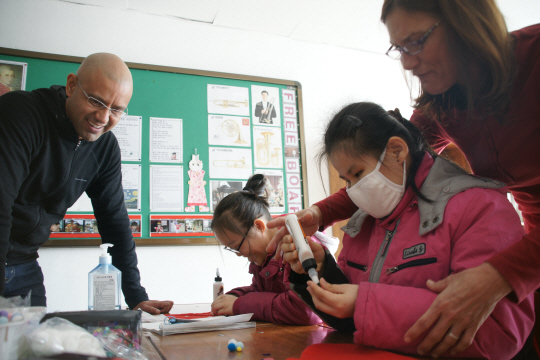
x=345 y=23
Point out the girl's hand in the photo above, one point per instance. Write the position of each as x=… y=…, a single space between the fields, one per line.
x=223 y=305
x=290 y=254
x=310 y=219
x=336 y=300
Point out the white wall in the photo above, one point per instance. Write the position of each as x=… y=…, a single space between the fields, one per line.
x=330 y=76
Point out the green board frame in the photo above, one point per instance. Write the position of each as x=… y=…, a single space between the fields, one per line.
x=165 y=92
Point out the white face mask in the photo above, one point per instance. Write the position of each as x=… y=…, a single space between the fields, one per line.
x=375 y=193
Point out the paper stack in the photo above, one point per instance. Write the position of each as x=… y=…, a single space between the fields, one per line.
x=204 y=324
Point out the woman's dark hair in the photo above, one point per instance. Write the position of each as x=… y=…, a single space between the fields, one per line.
x=237 y=211
x=365 y=128
x=477 y=34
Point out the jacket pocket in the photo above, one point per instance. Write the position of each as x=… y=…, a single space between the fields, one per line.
x=356 y=266
x=417 y=262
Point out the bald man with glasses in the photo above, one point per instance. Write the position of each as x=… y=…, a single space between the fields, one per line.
x=56 y=144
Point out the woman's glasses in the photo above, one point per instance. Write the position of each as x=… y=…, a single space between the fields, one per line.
x=412 y=48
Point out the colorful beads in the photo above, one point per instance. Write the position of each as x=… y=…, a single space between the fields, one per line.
x=234 y=345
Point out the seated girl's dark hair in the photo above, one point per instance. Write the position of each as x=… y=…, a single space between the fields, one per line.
x=365 y=128
x=237 y=211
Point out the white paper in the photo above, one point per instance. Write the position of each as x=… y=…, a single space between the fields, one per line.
x=128 y=133
x=221 y=188
x=229 y=130
x=230 y=100
x=230 y=163
x=165 y=140
x=82 y=204
x=265 y=102
x=208 y=324
x=268 y=149
x=166 y=188
x=131 y=182
x=275 y=189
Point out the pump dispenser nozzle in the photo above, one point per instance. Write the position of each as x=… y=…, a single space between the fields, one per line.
x=105 y=257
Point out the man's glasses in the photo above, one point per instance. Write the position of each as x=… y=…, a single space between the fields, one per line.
x=95 y=103
x=412 y=48
x=237 y=250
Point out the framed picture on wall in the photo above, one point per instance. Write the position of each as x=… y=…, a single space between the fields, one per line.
x=12 y=76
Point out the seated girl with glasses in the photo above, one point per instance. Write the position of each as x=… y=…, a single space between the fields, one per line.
x=419 y=217
x=239 y=223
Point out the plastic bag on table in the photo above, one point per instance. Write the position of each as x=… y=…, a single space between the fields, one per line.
x=57 y=335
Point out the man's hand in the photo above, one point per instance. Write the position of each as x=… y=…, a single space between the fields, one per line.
x=465 y=301
x=336 y=300
x=223 y=305
x=155 y=307
x=310 y=219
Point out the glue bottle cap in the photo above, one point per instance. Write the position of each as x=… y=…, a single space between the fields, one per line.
x=217 y=278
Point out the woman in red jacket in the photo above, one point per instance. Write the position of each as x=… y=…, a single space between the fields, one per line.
x=480 y=89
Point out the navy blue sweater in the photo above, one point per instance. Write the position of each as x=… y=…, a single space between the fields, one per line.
x=44 y=169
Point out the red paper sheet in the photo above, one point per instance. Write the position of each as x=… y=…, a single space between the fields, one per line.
x=346 y=352
x=191 y=315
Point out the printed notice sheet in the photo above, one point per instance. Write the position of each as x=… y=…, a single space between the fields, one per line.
x=230 y=100
x=166 y=188
x=128 y=133
x=275 y=189
x=230 y=163
x=265 y=105
x=268 y=150
x=131 y=182
x=229 y=130
x=165 y=140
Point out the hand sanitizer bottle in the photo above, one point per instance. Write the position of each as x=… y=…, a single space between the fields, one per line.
x=218 y=285
x=104 y=284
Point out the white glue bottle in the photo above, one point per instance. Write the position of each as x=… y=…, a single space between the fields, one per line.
x=302 y=247
x=104 y=283
x=218 y=285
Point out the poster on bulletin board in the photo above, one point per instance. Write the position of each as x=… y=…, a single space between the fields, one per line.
x=190 y=138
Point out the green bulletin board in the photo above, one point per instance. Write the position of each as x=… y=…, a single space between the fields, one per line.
x=176 y=93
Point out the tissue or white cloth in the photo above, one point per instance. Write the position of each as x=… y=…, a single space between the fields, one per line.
x=57 y=335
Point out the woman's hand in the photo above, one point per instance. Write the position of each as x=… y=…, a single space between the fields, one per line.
x=336 y=300
x=465 y=301
x=310 y=219
x=223 y=305
x=290 y=254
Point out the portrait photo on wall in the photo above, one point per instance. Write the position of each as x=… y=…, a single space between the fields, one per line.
x=12 y=76
x=178 y=226
x=73 y=225
x=207 y=225
x=159 y=226
x=90 y=226
x=57 y=227
x=222 y=188
x=265 y=105
x=274 y=189
x=135 y=226
x=197 y=225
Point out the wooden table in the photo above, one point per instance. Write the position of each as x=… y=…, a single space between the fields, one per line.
x=266 y=340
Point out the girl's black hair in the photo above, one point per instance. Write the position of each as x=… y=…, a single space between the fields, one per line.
x=365 y=128
x=237 y=211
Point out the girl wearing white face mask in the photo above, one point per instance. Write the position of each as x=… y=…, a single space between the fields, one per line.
x=420 y=217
